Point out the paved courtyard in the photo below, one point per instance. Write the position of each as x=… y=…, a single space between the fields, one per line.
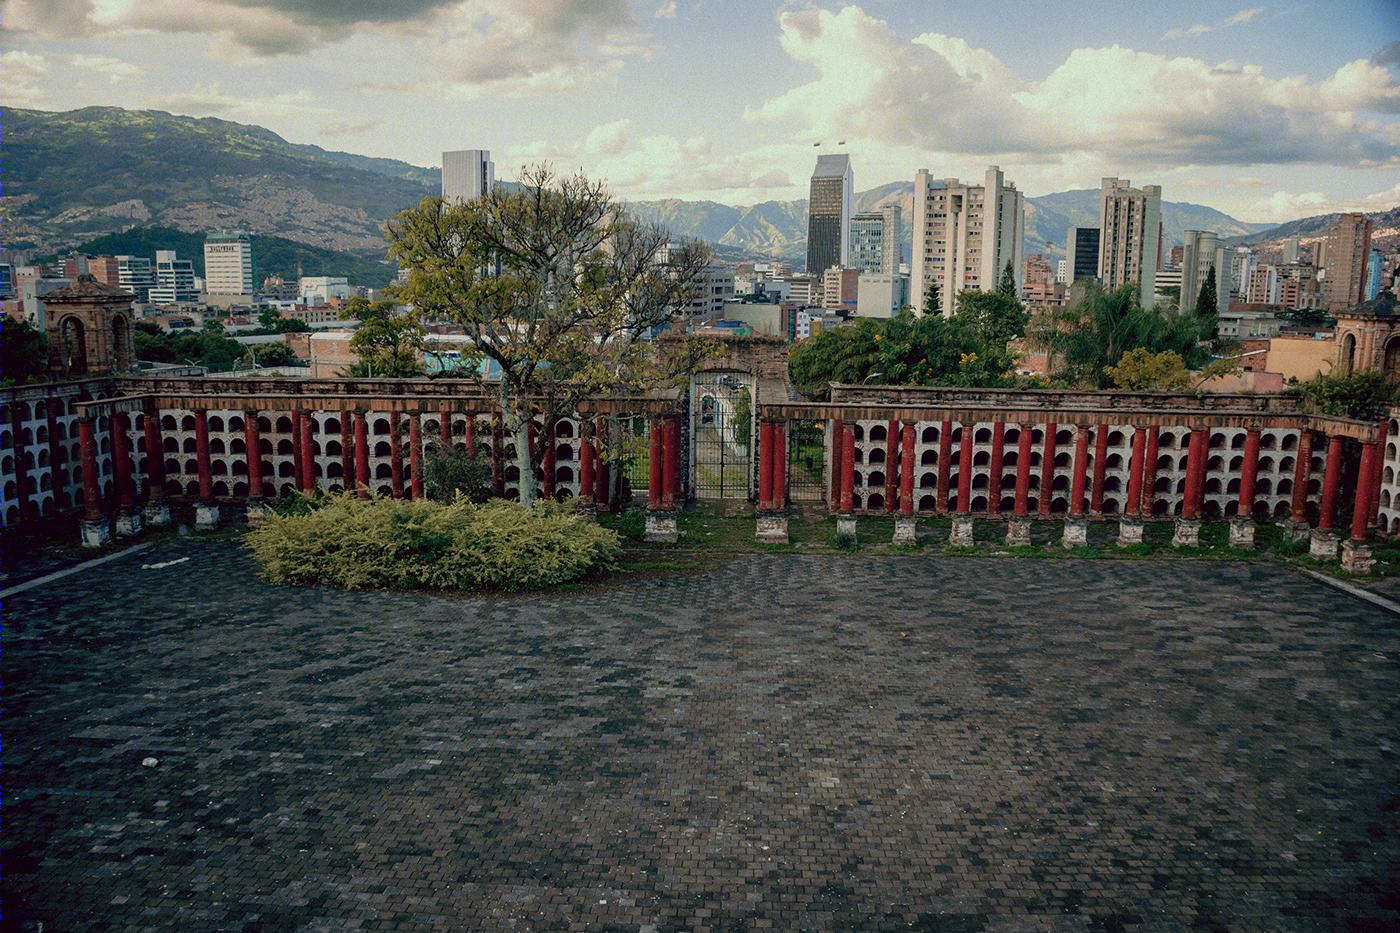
x=788 y=743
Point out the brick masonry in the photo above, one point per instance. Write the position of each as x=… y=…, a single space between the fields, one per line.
x=788 y=743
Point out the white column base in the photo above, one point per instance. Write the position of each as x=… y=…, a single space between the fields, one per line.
x=1076 y=533
x=772 y=528
x=1356 y=557
x=128 y=524
x=1323 y=545
x=1130 y=531
x=1018 y=531
x=158 y=512
x=905 y=529
x=256 y=514
x=206 y=516
x=661 y=527
x=961 y=535
x=1297 y=531
x=96 y=534
x=1242 y=533
x=845 y=524
x=1188 y=533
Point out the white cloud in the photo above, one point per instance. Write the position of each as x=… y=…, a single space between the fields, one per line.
x=1283 y=206
x=114 y=68
x=1243 y=16
x=1113 y=105
x=19 y=74
x=206 y=100
x=666 y=11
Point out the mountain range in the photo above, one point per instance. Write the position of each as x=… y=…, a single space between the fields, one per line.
x=72 y=177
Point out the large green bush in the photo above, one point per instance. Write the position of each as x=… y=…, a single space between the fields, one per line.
x=382 y=543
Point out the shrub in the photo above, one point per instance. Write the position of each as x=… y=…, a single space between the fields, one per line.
x=379 y=543
x=448 y=470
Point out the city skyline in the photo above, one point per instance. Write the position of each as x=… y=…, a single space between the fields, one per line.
x=1265 y=113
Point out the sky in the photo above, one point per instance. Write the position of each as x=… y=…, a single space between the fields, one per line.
x=1268 y=113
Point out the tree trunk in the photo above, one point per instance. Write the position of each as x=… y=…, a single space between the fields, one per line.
x=518 y=415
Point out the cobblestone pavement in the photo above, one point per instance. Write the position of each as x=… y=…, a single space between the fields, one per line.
x=789 y=743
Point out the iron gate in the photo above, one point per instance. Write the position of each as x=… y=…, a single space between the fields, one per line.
x=806 y=460
x=723 y=438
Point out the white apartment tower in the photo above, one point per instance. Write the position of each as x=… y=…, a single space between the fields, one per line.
x=228 y=264
x=964 y=235
x=1130 y=235
x=467 y=174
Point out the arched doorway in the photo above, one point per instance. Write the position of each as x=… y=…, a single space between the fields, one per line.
x=122 y=352
x=72 y=336
x=1390 y=361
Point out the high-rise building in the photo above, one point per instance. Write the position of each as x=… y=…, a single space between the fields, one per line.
x=1348 y=248
x=1082 y=253
x=1198 y=258
x=174 y=280
x=964 y=235
x=228 y=264
x=1290 y=250
x=840 y=289
x=135 y=275
x=829 y=210
x=1130 y=235
x=876 y=247
x=1374 y=264
x=467 y=174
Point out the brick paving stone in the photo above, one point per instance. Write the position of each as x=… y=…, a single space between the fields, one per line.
x=791 y=742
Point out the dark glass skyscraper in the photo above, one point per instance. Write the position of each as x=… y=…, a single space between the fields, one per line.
x=829 y=212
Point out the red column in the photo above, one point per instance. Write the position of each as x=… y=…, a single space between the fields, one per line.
x=1081 y=469
x=308 y=453
x=469 y=434
x=1201 y=471
x=671 y=472
x=1302 y=471
x=965 y=469
x=1135 y=471
x=655 y=463
x=56 y=450
x=1149 y=469
x=585 y=465
x=252 y=443
x=347 y=450
x=945 y=463
x=415 y=456
x=838 y=447
x=780 y=465
x=1362 y=514
x=155 y=456
x=298 y=464
x=1100 y=469
x=92 y=490
x=1249 y=473
x=395 y=455
x=121 y=462
x=1023 y=470
x=445 y=427
x=1331 y=479
x=547 y=464
x=1047 y=469
x=906 y=470
x=891 y=462
x=1374 y=506
x=361 y=455
x=1190 y=504
x=201 y=448
x=994 y=477
x=602 y=470
x=765 y=465
x=848 y=470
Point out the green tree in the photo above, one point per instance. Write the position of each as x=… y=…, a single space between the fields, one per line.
x=556 y=284
x=388 y=340
x=993 y=317
x=932 y=304
x=1208 y=298
x=1090 y=337
x=1140 y=369
x=449 y=470
x=1007 y=286
x=1363 y=396
x=24 y=353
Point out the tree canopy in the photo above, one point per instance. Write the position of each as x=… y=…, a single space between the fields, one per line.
x=1088 y=339
x=557 y=285
x=387 y=342
x=24 y=353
